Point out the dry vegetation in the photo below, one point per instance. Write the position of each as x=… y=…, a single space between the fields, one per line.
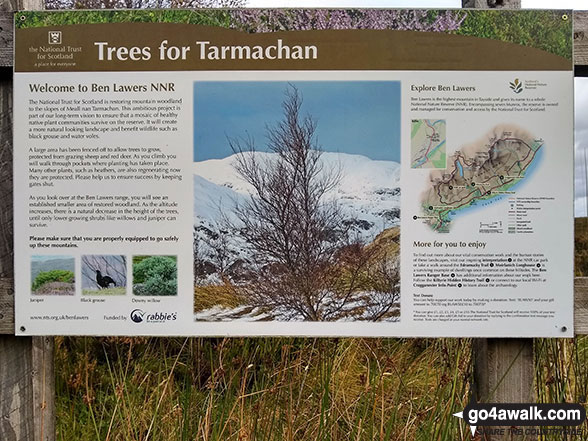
x=284 y=389
x=581 y=247
x=261 y=389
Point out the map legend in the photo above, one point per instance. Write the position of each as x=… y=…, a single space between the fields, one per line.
x=523 y=212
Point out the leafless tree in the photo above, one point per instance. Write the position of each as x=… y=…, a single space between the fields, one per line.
x=383 y=302
x=293 y=228
x=367 y=283
x=218 y=252
x=212 y=254
x=307 y=265
x=198 y=258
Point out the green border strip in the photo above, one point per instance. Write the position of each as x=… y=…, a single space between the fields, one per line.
x=547 y=30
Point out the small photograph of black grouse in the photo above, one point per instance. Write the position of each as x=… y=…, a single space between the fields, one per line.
x=104 y=275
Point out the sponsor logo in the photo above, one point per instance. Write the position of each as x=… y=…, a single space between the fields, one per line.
x=54 y=37
x=516 y=86
x=139 y=316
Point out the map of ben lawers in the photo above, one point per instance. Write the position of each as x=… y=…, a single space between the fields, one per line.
x=427 y=143
x=479 y=173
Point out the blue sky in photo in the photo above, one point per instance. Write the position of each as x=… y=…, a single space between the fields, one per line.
x=47 y=257
x=359 y=117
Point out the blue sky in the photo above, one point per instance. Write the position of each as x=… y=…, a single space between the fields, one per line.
x=44 y=258
x=361 y=117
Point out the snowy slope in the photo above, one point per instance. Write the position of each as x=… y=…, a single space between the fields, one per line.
x=368 y=191
x=212 y=201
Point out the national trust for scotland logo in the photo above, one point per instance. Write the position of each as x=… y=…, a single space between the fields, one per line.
x=516 y=86
x=54 y=37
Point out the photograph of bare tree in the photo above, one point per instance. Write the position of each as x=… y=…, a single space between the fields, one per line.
x=104 y=275
x=296 y=201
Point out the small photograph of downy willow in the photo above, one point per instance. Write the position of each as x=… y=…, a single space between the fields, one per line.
x=104 y=275
x=155 y=275
x=53 y=275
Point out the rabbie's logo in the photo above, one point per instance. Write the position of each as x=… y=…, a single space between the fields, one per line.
x=139 y=316
x=516 y=86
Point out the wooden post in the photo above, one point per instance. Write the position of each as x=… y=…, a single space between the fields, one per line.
x=27 y=379
x=6 y=262
x=27 y=389
x=581 y=38
x=504 y=373
x=503 y=368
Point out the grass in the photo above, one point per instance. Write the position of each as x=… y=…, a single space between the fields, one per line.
x=561 y=374
x=274 y=389
x=34 y=19
x=261 y=389
x=581 y=247
x=116 y=291
x=545 y=30
x=206 y=297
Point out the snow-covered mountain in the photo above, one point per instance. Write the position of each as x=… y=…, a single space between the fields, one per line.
x=368 y=190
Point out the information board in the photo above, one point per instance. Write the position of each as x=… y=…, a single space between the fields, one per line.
x=294 y=172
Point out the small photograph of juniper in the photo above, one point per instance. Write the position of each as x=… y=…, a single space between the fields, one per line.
x=155 y=276
x=53 y=275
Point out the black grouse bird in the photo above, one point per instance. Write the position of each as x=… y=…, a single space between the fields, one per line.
x=104 y=281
